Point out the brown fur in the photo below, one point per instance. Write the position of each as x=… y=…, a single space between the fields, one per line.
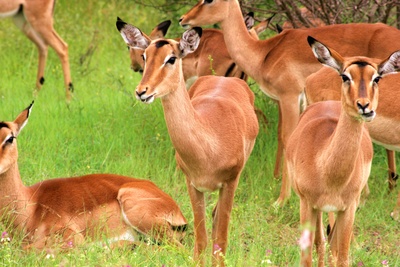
x=281 y=64
x=329 y=154
x=212 y=128
x=77 y=208
x=384 y=129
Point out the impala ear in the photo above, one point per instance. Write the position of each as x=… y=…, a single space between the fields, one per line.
x=22 y=119
x=132 y=36
x=160 y=30
x=190 y=41
x=390 y=65
x=326 y=56
x=249 y=20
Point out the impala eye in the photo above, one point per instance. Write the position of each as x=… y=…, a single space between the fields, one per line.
x=10 y=140
x=171 y=60
x=377 y=79
x=345 y=78
x=128 y=48
x=208 y=1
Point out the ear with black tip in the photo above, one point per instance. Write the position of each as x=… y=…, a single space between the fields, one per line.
x=160 y=30
x=190 y=41
x=325 y=55
x=390 y=65
x=132 y=35
x=22 y=119
x=249 y=20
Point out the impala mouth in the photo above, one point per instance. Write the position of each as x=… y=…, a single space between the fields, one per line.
x=145 y=99
x=368 y=116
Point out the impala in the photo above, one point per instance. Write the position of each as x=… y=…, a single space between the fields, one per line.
x=212 y=127
x=281 y=64
x=79 y=208
x=210 y=58
x=329 y=154
x=384 y=129
x=35 y=19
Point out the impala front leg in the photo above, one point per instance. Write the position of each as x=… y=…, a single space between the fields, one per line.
x=221 y=218
x=344 y=232
x=290 y=117
x=200 y=232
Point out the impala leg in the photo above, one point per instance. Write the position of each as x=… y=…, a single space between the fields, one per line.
x=344 y=232
x=392 y=169
x=200 y=233
x=26 y=28
x=221 y=218
x=320 y=240
x=307 y=216
x=279 y=150
x=43 y=25
x=290 y=118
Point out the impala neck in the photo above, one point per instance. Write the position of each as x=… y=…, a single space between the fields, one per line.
x=186 y=131
x=343 y=149
x=14 y=196
x=241 y=46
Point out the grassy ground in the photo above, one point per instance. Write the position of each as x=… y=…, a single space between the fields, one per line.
x=105 y=130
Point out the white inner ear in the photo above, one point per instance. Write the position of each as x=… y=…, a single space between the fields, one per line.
x=125 y=38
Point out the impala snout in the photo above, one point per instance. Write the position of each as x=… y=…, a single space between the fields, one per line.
x=366 y=110
x=141 y=94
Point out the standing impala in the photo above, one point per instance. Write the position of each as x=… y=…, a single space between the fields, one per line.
x=384 y=129
x=35 y=19
x=281 y=64
x=74 y=209
x=213 y=128
x=329 y=154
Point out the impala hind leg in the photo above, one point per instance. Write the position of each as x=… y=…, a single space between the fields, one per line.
x=279 y=150
x=290 y=117
x=26 y=28
x=221 y=218
x=43 y=26
x=391 y=157
x=199 y=216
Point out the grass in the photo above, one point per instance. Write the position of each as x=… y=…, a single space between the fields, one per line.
x=105 y=130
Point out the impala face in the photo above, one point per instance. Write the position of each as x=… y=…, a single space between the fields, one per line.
x=160 y=63
x=205 y=12
x=360 y=89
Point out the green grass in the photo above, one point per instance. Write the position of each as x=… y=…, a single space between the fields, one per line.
x=105 y=130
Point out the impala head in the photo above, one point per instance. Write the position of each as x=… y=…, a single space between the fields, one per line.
x=206 y=12
x=8 y=133
x=163 y=64
x=135 y=53
x=360 y=77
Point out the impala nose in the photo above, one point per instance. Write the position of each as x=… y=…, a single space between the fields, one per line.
x=139 y=94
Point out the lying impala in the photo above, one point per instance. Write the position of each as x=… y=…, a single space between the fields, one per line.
x=329 y=154
x=35 y=19
x=210 y=58
x=77 y=208
x=384 y=129
x=281 y=64
x=213 y=128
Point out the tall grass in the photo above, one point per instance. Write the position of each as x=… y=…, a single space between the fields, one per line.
x=105 y=130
